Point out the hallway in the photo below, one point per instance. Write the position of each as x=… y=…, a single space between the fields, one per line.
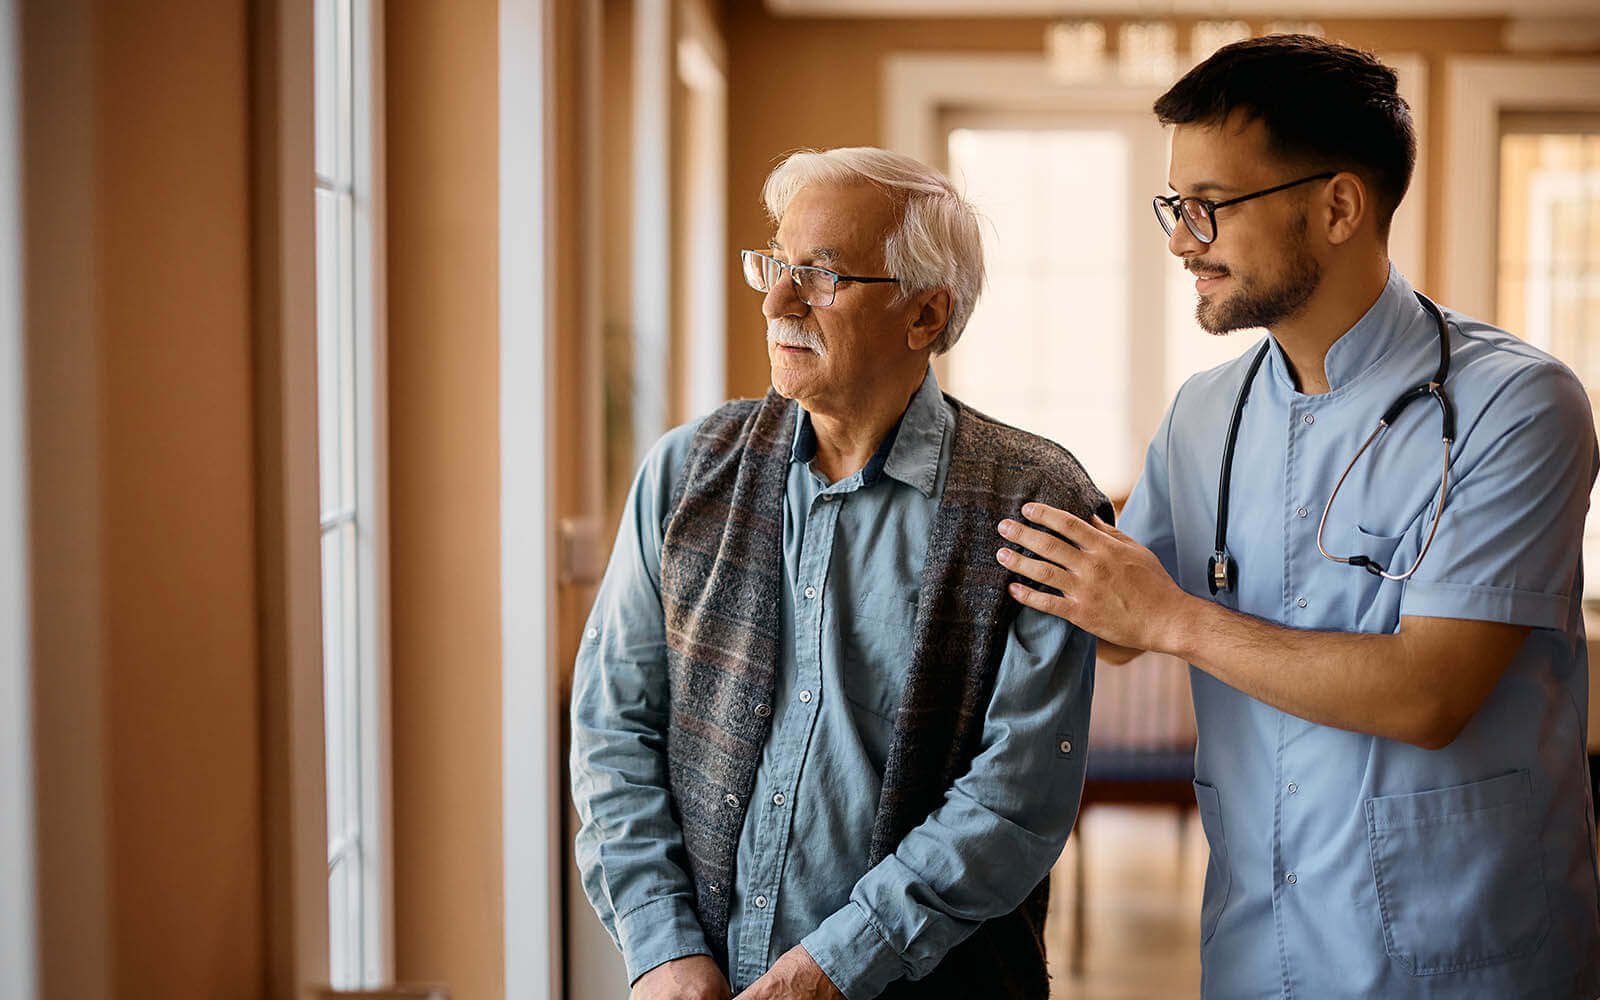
x=1142 y=908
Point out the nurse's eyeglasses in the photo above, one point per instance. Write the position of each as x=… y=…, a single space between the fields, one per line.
x=1200 y=215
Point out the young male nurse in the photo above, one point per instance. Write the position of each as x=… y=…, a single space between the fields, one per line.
x=1391 y=769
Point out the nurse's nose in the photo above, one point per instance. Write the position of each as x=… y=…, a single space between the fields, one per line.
x=1183 y=243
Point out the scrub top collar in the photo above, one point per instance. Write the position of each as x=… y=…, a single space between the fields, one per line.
x=909 y=452
x=1395 y=316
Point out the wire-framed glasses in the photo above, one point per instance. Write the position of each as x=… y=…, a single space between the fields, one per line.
x=1200 y=215
x=816 y=286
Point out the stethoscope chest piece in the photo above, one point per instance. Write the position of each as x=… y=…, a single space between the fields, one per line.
x=1222 y=573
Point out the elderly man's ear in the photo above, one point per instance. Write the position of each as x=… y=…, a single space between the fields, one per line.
x=932 y=313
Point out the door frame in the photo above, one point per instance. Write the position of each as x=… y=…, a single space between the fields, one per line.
x=1479 y=89
x=919 y=87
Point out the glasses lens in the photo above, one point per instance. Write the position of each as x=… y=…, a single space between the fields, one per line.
x=754 y=270
x=815 y=285
x=1199 y=220
x=1165 y=213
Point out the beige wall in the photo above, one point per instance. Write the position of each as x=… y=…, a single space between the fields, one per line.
x=137 y=243
x=443 y=247
x=772 y=58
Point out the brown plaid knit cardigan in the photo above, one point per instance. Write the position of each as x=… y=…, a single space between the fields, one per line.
x=721 y=584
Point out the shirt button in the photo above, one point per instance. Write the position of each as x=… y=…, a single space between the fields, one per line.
x=761 y=902
x=594 y=633
x=731 y=799
x=1301 y=512
x=810 y=592
x=1310 y=419
x=827 y=497
x=1290 y=878
x=778 y=799
x=1066 y=746
x=1293 y=788
x=805 y=696
x=1300 y=602
x=762 y=711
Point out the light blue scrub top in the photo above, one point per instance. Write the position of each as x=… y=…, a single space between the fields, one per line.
x=1345 y=865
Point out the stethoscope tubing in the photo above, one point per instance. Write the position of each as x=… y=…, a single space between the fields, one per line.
x=1222 y=571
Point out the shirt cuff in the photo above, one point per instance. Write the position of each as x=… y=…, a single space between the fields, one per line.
x=853 y=954
x=659 y=931
x=1492 y=604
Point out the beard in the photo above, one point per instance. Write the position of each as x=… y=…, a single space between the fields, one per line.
x=1256 y=304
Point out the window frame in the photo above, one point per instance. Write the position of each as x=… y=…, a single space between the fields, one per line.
x=18 y=928
x=361 y=180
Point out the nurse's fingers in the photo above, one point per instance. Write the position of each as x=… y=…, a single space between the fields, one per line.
x=1061 y=607
x=1075 y=529
x=1042 y=543
x=1037 y=570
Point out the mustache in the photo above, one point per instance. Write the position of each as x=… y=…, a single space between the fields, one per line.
x=789 y=332
x=1204 y=268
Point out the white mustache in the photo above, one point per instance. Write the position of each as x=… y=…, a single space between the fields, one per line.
x=787 y=332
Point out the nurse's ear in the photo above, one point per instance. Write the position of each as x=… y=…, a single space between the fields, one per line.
x=1345 y=208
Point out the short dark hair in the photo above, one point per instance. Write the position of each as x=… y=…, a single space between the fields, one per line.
x=1320 y=102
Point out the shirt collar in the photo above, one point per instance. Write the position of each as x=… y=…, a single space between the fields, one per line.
x=1395 y=313
x=909 y=452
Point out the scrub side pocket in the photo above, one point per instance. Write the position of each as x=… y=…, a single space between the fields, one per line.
x=1219 y=875
x=1458 y=873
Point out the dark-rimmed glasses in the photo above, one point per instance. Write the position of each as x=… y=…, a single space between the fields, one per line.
x=816 y=286
x=1200 y=215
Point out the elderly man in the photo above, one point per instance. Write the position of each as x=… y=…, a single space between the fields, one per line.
x=817 y=749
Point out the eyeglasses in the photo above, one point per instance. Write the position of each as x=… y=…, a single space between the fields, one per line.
x=1200 y=216
x=816 y=286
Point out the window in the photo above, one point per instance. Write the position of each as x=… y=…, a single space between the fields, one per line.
x=1086 y=329
x=1549 y=267
x=348 y=408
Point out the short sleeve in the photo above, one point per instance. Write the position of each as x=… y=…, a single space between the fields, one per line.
x=1510 y=540
x=1147 y=516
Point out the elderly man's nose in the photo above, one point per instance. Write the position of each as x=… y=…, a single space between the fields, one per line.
x=782 y=300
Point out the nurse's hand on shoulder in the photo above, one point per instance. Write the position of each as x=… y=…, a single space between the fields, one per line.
x=1111 y=586
x=794 y=976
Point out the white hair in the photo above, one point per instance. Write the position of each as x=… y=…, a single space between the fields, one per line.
x=936 y=242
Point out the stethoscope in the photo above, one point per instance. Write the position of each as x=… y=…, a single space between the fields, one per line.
x=1221 y=571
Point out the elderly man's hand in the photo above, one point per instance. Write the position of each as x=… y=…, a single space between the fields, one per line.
x=794 y=976
x=1111 y=586
x=694 y=977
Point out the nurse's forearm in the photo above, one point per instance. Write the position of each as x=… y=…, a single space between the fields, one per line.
x=1420 y=685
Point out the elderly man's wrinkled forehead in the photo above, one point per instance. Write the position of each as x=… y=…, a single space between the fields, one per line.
x=837 y=227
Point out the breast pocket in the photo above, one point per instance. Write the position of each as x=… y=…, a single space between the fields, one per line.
x=1458 y=873
x=1371 y=602
x=879 y=652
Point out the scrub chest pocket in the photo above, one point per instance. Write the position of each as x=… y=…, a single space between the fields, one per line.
x=1458 y=873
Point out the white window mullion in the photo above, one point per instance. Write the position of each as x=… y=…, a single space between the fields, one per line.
x=350 y=410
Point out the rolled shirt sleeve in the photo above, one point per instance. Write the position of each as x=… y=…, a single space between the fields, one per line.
x=999 y=830
x=629 y=848
x=1520 y=494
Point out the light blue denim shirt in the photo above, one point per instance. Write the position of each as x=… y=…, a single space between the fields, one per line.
x=1345 y=865
x=853 y=555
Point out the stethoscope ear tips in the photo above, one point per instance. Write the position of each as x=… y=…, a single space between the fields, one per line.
x=1221 y=573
